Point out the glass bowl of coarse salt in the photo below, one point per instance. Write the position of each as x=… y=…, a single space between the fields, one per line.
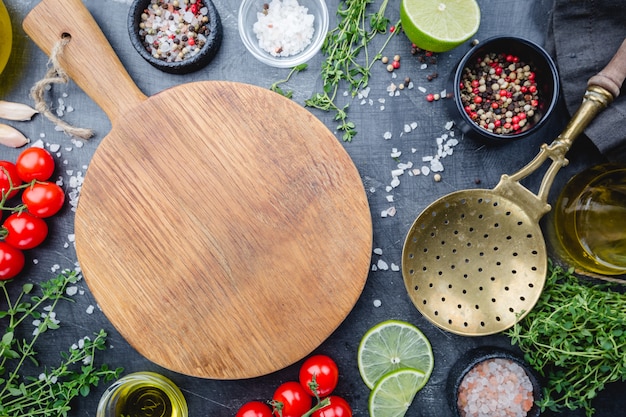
x=283 y=33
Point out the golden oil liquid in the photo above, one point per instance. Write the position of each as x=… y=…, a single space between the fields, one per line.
x=143 y=394
x=590 y=219
x=6 y=36
x=145 y=401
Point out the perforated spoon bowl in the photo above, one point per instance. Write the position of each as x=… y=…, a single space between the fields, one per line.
x=474 y=262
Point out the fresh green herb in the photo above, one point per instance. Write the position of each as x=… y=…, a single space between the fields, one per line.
x=49 y=393
x=342 y=47
x=576 y=338
x=276 y=86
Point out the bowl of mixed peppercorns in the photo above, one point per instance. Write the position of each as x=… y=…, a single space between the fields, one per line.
x=175 y=36
x=504 y=89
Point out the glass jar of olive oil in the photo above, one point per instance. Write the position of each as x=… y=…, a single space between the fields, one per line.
x=590 y=219
x=142 y=394
x=6 y=36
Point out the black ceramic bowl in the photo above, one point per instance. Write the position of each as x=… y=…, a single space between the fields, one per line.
x=476 y=356
x=545 y=77
x=189 y=64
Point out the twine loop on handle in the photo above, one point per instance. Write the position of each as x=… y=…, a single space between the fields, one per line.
x=56 y=75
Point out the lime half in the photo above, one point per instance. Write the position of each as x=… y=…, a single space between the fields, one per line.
x=394 y=393
x=392 y=345
x=439 y=25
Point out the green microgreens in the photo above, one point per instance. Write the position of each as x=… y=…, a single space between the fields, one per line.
x=50 y=393
x=575 y=337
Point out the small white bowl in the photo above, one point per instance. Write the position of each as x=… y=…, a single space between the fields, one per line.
x=248 y=17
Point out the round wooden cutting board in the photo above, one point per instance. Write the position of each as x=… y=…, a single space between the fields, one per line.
x=222 y=228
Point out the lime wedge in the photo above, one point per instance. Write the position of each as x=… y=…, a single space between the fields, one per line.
x=392 y=345
x=439 y=25
x=394 y=393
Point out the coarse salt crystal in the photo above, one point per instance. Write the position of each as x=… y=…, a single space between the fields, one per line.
x=285 y=29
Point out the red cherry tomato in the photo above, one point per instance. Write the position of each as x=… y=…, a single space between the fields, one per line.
x=293 y=399
x=11 y=261
x=322 y=371
x=43 y=199
x=25 y=231
x=338 y=407
x=6 y=181
x=254 y=409
x=35 y=164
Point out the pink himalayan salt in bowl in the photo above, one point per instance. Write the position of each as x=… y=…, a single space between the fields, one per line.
x=490 y=381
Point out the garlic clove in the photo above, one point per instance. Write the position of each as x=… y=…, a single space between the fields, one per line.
x=9 y=136
x=16 y=111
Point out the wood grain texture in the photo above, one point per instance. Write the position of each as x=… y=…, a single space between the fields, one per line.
x=227 y=242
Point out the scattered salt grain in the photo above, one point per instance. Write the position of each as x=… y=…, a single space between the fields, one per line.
x=89 y=309
x=377 y=303
x=378 y=251
x=382 y=265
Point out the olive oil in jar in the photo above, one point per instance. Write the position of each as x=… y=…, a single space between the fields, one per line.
x=143 y=394
x=590 y=219
x=145 y=401
x=6 y=36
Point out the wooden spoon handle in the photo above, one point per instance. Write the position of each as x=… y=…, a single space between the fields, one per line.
x=612 y=76
x=88 y=58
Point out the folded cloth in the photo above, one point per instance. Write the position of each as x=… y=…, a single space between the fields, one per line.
x=583 y=37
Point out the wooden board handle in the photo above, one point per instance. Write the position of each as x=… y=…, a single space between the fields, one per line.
x=88 y=58
x=612 y=76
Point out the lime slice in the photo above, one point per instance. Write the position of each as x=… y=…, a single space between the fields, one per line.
x=439 y=25
x=392 y=345
x=394 y=393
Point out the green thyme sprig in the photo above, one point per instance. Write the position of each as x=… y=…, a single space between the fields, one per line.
x=576 y=338
x=342 y=47
x=276 y=86
x=49 y=393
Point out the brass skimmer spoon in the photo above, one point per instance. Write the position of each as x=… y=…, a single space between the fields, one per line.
x=474 y=262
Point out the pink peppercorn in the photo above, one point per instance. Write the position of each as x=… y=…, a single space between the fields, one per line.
x=430 y=97
x=395 y=64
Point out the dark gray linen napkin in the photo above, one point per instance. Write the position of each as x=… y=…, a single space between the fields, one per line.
x=583 y=37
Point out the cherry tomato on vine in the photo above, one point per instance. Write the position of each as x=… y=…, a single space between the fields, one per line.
x=25 y=231
x=293 y=398
x=338 y=407
x=11 y=261
x=322 y=371
x=43 y=199
x=254 y=409
x=6 y=181
x=35 y=164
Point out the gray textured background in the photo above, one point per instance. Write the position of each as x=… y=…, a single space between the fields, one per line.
x=375 y=116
